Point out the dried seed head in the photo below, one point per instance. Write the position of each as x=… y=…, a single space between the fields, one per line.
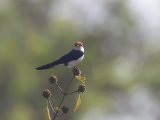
x=53 y=79
x=81 y=88
x=65 y=109
x=76 y=71
x=46 y=93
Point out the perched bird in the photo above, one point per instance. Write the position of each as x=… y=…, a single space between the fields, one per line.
x=70 y=59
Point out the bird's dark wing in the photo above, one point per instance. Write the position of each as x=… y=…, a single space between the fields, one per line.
x=72 y=55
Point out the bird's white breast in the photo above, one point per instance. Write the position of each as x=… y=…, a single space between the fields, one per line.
x=75 y=62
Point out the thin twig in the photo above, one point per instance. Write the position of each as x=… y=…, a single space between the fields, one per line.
x=69 y=93
x=69 y=83
x=64 y=95
x=51 y=106
x=60 y=88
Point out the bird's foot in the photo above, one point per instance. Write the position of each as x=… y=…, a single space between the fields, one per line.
x=74 y=67
x=76 y=71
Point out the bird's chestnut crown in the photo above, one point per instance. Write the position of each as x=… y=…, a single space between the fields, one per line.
x=77 y=44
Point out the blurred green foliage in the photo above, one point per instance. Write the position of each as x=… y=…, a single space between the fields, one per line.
x=29 y=38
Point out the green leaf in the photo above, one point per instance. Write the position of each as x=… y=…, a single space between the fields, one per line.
x=81 y=79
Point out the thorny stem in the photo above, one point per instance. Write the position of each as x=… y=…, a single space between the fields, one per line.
x=64 y=95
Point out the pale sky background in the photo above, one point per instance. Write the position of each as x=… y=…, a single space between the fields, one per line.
x=146 y=12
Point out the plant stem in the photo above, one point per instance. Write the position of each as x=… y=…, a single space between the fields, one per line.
x=69 y=93
x=51 y=106
x=64 y=95
x=60 y=88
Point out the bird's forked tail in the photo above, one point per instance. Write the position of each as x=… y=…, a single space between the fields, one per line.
x=47 y=66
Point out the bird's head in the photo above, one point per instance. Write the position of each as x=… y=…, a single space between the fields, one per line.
x=79 y=46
